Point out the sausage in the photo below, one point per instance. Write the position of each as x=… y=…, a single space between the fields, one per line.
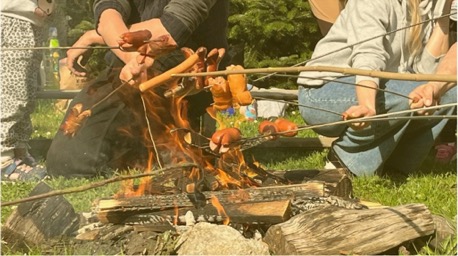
x=157 y=47
x=213 y=59
x=286 y=127
x=167 y=75
x=222 y=139
x=135 y=39
x=198 y=67
x=238 y=84
x=74 y=120
x=267 y=127
x=221 y=93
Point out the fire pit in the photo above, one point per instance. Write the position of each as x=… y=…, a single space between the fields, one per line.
x=208 y=184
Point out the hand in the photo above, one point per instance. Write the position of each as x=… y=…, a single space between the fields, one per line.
x=40 y=13
x=425 y=95
x=358 y=111
x=135 y=70
x=77 y=57
x=74 y=59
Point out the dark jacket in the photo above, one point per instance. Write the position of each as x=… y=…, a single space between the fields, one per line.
x=191 y=23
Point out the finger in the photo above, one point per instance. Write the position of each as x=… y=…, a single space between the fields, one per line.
x=428 y=95
x=413 y=100
x=127 y=47
x=71 y=67
x=136 y=70
x=355 y=114
x=425 y=112
x=69 y=64
x=358 y=125
x=417 y=104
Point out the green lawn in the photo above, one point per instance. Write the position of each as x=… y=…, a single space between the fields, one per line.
x=434 y=184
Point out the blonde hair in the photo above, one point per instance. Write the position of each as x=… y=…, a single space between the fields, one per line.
x=414 y=42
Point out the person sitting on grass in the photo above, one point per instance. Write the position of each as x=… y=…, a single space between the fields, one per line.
x=398 y=146
x=99 y=144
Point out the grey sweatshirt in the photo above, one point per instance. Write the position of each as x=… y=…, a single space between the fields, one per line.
x=364 y=19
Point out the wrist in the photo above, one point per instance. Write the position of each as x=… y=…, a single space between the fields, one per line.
x=440 y=88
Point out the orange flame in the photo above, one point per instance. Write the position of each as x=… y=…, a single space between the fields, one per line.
x=158 y=116
x=215 y=202
x=175 y=218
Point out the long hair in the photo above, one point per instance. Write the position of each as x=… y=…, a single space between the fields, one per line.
x=414 y=41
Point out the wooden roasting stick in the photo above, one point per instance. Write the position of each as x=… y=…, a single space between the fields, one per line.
x=167 y=75
x=346 y=71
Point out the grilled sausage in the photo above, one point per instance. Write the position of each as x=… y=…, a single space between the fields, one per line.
x=289 y=128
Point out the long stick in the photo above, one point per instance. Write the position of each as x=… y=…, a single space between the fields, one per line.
x=345 y=71
x=58 y=48
x=94 y=185
x=68 y=47
x=342 y=82
x=360 y=42
x=380 y=117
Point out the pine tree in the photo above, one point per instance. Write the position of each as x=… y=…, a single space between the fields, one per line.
x=274 y=33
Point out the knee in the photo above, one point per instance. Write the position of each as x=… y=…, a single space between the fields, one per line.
x=315 y=117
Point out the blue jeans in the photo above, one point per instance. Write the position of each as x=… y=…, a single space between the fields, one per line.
x=400 y=145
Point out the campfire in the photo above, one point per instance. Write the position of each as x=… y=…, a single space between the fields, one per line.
x=220 y=178
x=197 y=181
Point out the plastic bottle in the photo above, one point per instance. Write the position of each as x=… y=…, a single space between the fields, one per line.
x=51 y=61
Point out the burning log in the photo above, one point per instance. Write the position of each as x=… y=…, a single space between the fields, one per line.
x=333 y=231
x=250 y=203
x=269 y=212
x=337 y=181
x=116 y=210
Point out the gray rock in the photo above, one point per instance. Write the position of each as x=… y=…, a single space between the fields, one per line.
x=210 y=239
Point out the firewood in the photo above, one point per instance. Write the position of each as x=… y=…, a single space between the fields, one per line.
x=332 y=231
x=41 y=220
x=337 y=181
x=271 y=212
x=117 y=210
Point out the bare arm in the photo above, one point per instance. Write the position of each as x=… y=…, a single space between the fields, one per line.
x=110 y=27
x=438 y=42
x=429 y=94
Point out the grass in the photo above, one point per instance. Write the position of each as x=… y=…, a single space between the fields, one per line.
x=433 y=185
x=46 y=119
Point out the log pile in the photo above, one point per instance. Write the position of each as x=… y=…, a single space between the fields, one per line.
x=270 y=204
x=314 y=214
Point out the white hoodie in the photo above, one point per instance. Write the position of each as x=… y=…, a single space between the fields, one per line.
x=21 y=9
